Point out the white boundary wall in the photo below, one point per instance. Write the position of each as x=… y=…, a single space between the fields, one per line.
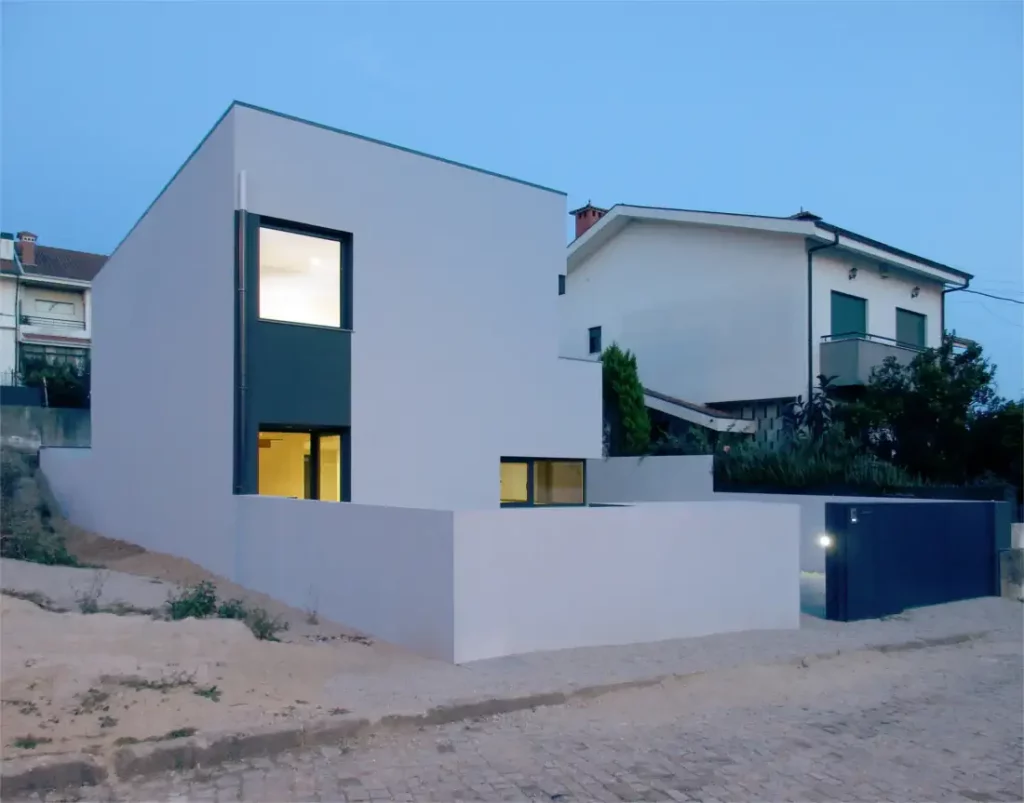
x=688 y=478
x=469 y=585
x=529 y=580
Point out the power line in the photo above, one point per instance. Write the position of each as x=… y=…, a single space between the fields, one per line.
x=997 y=298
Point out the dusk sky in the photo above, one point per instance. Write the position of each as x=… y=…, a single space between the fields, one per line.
x=900 y=121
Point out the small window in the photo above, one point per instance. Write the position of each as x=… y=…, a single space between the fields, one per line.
x=910 y=328
x=300 y=278
x=595 y=339
x=561 y=284
x=849 y=315
x=528 y=482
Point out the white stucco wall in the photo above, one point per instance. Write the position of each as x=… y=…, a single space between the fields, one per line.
x=712 y=314
x=678 y=478
x=651 y=479
x=530 y=580
x=884 y=296
x=8 y=324
x=161 y=466
x=455 y=342
x=384 y=570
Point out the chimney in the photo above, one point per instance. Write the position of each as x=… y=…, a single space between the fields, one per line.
x=27 y=252
x=586 y=216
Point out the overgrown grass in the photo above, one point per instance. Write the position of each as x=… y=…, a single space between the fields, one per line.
x=31 y=742
x=200 y=602
x=27 y=525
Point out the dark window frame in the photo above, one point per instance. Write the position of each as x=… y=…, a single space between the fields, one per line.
x=594 y=335
x=561 y=284
x=530 y=469
x=315 y=433
x=344 y=239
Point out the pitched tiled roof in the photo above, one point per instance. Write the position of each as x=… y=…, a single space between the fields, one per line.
x=60 y=263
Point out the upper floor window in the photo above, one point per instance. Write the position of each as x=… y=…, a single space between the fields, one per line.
x=849 y=315
x=300 y=278
x=910 y=328
x=45 y=306
x=594 y=339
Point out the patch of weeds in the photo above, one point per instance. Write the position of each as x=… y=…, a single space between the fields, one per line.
x=125 y=740
x=107 y=721
x=209 y=692
x=31 y=742
x=91 y=701
x=36 y=598
x=26 y=707
x=162 y=685
x=312 y=610
x=232 y=609
x=264 y=626
x=338 y=711
x=121 y=608
x=26 y=522
x=197 y=602
x=89 y=599
x=179 y=733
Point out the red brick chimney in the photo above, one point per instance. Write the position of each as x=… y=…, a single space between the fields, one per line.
x=586 y=216
x=27 y=250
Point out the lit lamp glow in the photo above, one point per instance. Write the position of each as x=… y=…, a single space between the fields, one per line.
x=825 y=540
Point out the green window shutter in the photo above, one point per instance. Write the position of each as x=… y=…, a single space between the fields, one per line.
x=849 y=315
x=910 y=328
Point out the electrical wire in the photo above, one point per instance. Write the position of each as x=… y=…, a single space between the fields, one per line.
x=997 y=298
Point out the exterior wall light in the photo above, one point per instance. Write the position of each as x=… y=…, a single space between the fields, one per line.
x=853 y=273
x=825 y=541
x=915 y=292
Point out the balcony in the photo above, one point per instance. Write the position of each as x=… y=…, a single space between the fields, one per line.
x=851 y=357
x=52 y=323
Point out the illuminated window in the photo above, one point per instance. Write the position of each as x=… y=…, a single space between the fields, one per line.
x=529 y=481
x=301 y=465
x=300 y=278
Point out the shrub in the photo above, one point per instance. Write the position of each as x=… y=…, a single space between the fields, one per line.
x=26 y=521
x=629 y=426
x=232 y=609
x=198 y=602
x=264 y=626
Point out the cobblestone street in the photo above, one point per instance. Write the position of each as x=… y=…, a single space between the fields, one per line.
x=932 y=724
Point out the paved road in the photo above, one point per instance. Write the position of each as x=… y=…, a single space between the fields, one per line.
x=933 y=724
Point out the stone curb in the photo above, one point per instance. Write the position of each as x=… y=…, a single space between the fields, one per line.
x=137 y=760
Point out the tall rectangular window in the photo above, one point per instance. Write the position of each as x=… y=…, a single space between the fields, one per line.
x=849 y=315
x=300 y=278
x=330 y=468
x=910 y=328
x=594 y=339
x=561 y=284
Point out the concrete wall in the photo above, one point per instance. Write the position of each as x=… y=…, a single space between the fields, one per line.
x=161 y=466
x=712 y=314
x=455 y=334
x=8 y=325
x=45 y=426
x=384 y=570
x=530 y=580
x=683 y=478
x=651 y=479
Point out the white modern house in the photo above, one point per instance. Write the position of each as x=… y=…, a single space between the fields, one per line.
x=45 y=303
x=328 y=368
x=741 y=313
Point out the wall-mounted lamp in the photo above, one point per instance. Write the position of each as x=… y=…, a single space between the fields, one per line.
x=853 y=274
x=915 y=292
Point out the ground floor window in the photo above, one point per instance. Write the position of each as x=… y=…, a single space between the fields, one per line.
x=33 y=354
x=301 y=464
x=529 y=481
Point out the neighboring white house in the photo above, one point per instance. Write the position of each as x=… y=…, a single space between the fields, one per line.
x=741 y=313
x=45 y=303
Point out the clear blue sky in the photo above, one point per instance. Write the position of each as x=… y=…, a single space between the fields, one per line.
x=901 y=121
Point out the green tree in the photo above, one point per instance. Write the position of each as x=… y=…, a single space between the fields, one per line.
x=938 y=417
x=627 y=423
x=66 y=383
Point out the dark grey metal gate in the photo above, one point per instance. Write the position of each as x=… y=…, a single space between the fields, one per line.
x=887 y=557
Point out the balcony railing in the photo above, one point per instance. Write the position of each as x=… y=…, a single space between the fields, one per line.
x=851 y=357
x=56 y=323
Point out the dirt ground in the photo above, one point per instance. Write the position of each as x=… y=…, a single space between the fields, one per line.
x=74 y=681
